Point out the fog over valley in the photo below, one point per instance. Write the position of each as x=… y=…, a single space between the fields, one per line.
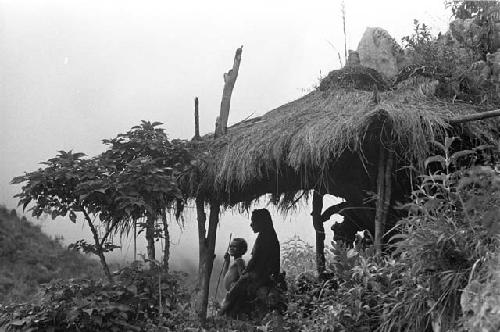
x=76 y=72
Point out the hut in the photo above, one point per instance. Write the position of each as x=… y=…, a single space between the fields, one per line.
x=333 y=140
x=355 y=137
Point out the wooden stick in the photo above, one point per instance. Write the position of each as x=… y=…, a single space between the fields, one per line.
x=475 y=117
x=196 y=120
x=135 y=240
x=380 y=200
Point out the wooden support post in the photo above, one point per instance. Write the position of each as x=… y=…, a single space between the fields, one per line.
x=317 y=206
x=196 y=120
x=388 y=189
x=202 y=217
x=379 y=227
x=207 y=242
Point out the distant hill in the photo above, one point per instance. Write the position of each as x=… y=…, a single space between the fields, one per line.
x=29 y=258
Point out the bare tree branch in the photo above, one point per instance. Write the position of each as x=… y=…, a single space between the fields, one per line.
x=475 y=117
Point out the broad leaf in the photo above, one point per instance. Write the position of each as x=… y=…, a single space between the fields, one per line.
x=454 y=157
x=435 y=159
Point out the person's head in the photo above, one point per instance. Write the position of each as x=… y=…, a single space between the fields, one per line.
x=238 y=247
x=261 y=220
x=344 y=232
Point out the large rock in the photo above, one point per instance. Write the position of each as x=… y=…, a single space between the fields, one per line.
x=379 y=51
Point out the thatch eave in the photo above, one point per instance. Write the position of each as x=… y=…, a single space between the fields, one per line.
x=309 y=143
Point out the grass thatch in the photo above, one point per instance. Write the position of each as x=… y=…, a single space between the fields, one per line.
x=298 y=145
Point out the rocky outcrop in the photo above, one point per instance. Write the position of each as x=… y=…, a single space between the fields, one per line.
x=379 y=51
x=483 y=75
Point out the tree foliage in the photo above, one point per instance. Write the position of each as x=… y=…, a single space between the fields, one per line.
x=472 y=9
x=146 y=166
x=135 y=177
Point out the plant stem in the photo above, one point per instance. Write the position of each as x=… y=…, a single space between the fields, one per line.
x=100 y=251
x=166 y=249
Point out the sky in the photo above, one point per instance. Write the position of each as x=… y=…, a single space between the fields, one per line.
x=75 y=72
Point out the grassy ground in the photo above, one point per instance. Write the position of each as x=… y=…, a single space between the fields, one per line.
x=29 y=258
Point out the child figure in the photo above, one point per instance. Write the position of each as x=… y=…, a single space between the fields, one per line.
x=237 y=248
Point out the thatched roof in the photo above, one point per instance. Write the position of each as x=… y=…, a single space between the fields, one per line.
x=326 y=139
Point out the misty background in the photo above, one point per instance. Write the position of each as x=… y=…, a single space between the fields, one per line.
x=75 y=72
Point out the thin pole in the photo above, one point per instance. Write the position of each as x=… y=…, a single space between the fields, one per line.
x=135 y=240
x=380 y=200
x=196 y=120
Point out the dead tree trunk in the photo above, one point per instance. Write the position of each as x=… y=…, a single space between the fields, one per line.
x=196 y=120
x=225 y=104
x=206 y=253
x=319 y=228
x=207 y=239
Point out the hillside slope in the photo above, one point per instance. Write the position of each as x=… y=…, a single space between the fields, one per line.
x=29 y=258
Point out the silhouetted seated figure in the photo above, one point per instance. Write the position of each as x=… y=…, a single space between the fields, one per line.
x=256 y=290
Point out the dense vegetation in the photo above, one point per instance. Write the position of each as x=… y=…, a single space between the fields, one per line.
x=443 y=272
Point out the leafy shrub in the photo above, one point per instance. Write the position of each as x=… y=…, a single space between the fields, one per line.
x=340 y=303
x=439 y=53
x=480 y=300
x=452 y=225
x=140 y=300
x=458 y=59
x=448 y=243
x=297 y=258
